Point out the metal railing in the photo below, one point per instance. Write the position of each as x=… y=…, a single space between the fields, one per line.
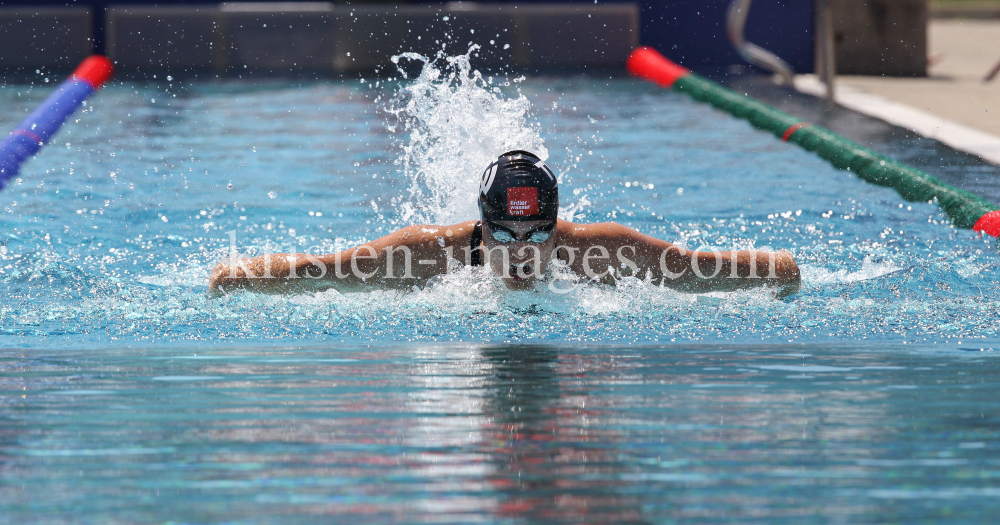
x=826 y=59
x=736 y=20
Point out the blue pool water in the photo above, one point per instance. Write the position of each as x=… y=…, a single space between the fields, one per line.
x=127 y=395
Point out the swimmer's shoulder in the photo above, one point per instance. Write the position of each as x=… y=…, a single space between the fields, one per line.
x=571 y=232
x=462 y=230
x=428 y=236
x=458 y=234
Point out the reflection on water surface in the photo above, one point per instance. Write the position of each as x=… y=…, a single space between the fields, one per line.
x=499 y=433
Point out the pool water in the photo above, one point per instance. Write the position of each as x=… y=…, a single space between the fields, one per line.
x=499 y=434
x=130 y=396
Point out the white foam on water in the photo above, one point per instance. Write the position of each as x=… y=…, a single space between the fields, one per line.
x=457 y=124
x=819 y=276
x=471 y=291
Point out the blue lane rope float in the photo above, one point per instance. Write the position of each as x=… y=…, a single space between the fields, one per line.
x=36 y=130
x=966 y=210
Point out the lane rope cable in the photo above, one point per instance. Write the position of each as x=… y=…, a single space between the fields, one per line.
x=965 y=209
x=39 y=126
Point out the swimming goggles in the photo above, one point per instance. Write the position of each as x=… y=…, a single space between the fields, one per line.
x=505 y=236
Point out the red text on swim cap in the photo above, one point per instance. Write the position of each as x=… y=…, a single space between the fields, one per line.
x=522 y=201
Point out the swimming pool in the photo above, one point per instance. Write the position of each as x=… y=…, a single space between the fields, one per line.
x=130 y=396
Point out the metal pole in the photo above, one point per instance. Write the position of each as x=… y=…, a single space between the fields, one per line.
x=827 y=54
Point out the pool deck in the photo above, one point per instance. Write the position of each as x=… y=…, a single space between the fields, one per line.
x=952 y=104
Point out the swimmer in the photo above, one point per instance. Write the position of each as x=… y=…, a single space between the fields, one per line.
x=517 y=236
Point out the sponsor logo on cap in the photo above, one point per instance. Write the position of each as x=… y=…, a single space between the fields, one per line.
x=522 y=201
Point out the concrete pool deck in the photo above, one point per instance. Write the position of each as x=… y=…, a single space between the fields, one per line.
x=952 y=104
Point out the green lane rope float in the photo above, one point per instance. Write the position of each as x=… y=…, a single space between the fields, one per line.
x=966 y=210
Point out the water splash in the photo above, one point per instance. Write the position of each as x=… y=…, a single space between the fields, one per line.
x=818 y=276
x=458 y=123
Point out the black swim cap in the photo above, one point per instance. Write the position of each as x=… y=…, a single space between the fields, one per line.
x=518 y=187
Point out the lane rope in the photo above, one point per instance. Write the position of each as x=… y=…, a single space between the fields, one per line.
x=38 y=127
x=965 y=209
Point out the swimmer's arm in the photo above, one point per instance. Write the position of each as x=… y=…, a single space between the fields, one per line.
x=752 y=269
x=401 y=259
x=673 y=266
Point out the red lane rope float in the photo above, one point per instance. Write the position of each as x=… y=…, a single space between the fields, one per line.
x=648 y=63
x=989 y=224
x=965 y=209
x=792 y=129
x=36 y=130
x=94 y=70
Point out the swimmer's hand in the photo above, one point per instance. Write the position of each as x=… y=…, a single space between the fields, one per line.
x=789 y=278
x=224 y=278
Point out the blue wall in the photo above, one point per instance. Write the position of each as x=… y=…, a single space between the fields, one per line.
x=691 y=32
